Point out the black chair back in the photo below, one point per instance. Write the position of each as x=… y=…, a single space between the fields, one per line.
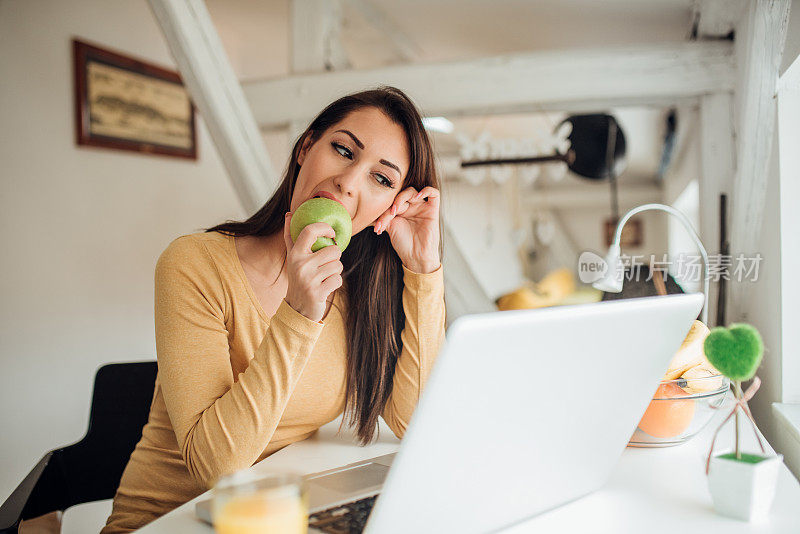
x=89 y=470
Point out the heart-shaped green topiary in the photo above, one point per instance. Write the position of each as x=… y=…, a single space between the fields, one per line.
x=735 y=351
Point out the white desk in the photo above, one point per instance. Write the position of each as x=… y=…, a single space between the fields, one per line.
x=650 y=490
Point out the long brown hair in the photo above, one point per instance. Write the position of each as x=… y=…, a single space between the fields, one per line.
x=373 y=274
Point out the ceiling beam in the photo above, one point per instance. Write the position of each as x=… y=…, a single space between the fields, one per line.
x=560 y=251
x=463 y=292
x=717 y=168
x=316 y=28
x=401 y=43
x=215 y=90
x=761 y=36
x=717 y=163
x=316 y=31
x=716 y=19
x=562 y=80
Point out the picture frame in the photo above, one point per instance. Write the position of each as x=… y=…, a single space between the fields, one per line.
x=126 y=103
x=632 y=233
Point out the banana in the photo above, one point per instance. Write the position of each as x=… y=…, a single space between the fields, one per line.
x=701 y=382
x=523 y=298
x=557 y=284
x=553 y=288
x=690 y=354
x=690 y=363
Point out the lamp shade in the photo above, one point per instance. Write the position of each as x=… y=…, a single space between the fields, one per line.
x=611 y=282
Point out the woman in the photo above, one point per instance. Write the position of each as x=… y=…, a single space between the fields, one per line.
x=260 y=341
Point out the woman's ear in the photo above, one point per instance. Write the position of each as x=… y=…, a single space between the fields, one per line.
x=301 y=156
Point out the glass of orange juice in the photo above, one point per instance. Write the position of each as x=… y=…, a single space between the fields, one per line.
x=250 y=503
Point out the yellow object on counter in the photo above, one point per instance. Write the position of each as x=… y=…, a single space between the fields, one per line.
x=523 y=298
x=550 y=291
x=690 y=352
x=691 y=364
x=557 y=284
x=698 y=379
x=261 y=513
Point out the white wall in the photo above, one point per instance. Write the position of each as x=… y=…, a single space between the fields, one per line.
x=82 y=227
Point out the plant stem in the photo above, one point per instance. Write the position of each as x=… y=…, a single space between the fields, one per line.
x=737 y=392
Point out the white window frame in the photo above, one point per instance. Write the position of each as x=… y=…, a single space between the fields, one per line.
x=789 y=172
x=787 y=412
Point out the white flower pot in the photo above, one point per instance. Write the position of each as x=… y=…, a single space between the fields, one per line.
x=743 y=490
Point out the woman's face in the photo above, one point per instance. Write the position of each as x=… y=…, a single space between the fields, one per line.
x=360 y=161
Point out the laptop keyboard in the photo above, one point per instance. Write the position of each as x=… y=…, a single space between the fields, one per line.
x=349 y=518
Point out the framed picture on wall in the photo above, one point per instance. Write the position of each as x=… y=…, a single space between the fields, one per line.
x=632 y=233
x=129 y=104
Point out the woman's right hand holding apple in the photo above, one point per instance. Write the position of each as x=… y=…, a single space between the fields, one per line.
x=312 y=276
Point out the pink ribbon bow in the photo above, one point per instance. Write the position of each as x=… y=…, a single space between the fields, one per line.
x=740 y=403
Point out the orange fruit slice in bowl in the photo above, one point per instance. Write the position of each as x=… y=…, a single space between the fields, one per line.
x=667 y=415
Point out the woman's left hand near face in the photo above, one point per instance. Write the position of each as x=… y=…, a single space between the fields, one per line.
x=412 y=223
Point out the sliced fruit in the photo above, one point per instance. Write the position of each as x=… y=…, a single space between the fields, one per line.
x=690 y=353
x=667 y=415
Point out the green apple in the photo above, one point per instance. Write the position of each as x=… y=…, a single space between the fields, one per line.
x=327 y=211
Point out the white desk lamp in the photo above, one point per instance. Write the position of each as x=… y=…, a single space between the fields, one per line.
x=612 y=281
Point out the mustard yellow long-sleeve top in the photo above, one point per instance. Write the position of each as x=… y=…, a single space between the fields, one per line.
x=235 y=385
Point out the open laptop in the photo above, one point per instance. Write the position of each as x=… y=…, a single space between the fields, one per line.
x=524 y=411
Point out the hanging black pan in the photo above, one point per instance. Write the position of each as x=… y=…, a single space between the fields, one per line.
x=596 y=152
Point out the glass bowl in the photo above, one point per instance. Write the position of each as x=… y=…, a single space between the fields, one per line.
x=680 y=409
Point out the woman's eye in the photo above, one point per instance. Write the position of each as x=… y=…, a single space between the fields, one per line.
x=384 y=180
x=342 y=150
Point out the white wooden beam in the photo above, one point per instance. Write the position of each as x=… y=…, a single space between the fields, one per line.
x=316 y=45
x=717 y=164
x=590 y=196
x=316 y=31
x=402 y=44
x=210 y=79
x=564 y=80
x=715 y=19
x=561 y=251
x=761 y=36
x=462 y=291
